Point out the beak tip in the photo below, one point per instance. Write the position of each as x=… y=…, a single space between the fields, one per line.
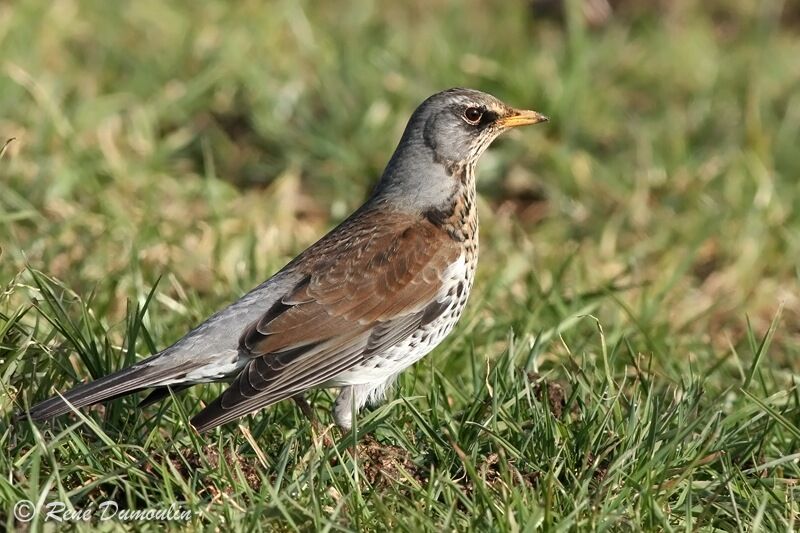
x=523 y=118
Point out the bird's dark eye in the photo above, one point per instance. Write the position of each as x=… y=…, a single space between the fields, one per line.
x=473 y=114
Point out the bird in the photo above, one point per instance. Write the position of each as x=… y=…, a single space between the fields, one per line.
x=354 y=310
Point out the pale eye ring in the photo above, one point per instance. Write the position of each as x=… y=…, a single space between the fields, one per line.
x=473 y=114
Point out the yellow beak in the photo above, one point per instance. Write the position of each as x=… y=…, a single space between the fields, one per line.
x=521 y=117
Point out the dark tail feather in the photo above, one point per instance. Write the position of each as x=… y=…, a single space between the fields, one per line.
x=212 y=416
x=159 y=393
x=122 y=383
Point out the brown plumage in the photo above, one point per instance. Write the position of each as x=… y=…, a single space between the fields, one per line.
x=354 y=292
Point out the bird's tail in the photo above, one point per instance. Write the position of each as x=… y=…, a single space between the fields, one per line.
x=138 y=377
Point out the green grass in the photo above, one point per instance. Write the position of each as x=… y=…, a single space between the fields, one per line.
x=629 y=356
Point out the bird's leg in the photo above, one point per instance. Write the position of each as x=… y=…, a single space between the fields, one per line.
x=306 y=409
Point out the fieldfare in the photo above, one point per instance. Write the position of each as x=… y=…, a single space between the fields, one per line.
x=368 y=300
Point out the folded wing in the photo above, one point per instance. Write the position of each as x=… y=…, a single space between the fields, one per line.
x=359 y=296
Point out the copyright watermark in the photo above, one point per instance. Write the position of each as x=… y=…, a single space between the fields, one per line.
x=25 y=511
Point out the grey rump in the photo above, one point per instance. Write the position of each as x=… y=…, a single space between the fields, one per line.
x=355 y=309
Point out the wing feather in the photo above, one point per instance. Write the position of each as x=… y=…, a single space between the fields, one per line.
x=367 y=287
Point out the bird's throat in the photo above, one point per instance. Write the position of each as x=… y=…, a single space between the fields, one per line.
x=458 y=214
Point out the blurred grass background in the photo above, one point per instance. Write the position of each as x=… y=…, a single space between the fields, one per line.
x=206 y=143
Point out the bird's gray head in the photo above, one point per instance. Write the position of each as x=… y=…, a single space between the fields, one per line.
x=447 y=134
